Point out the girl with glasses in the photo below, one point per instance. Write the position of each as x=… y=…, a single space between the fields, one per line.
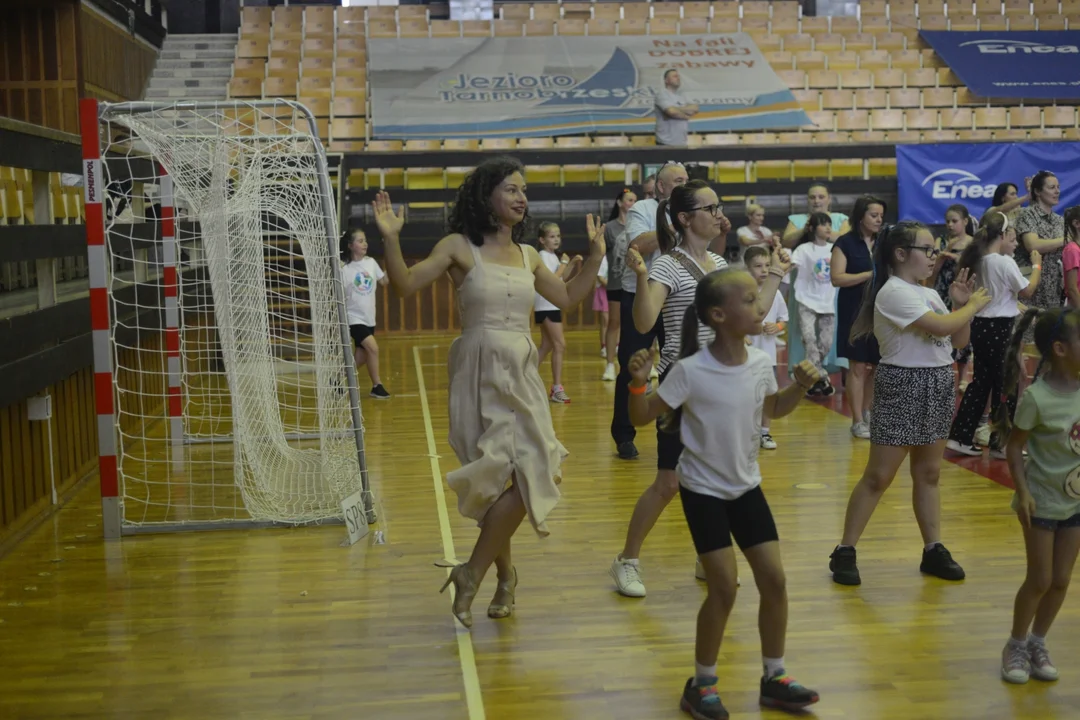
x=913 y=390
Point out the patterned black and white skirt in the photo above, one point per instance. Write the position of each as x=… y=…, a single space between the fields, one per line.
x=912 y=406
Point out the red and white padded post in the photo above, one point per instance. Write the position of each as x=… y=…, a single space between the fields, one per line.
x=100 y=325
x=169 y=256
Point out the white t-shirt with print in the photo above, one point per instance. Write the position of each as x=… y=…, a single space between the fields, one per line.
x=1001 y=276
x=552 y=262
x=721 y=420
x=361 y=278
x=899 y=304
x=681 y=286
x=813 y=282
x=640 y=219
x=777 y=313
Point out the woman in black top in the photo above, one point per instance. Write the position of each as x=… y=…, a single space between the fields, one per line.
x=852 y=268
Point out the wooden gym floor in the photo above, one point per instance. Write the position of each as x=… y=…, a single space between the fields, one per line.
x=287 y=624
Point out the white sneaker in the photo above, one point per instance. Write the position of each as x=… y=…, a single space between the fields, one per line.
x=767 y=442
x=1015 y=664
x=861 y=430
x=627 y=577
x=969 y=450
x=609 y=373
x=603 y=352
x=558 y=394
x=1041 y=667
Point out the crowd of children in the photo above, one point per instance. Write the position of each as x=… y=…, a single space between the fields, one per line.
x=901 y=305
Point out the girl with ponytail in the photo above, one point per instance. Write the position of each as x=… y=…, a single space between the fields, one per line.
x=1047 y=499
x=990 y=259
x=914 y=394
x=723 y=391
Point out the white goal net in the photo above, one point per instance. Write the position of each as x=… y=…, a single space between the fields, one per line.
x=235 y=390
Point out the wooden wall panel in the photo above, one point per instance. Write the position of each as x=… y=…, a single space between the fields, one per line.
x=115 y=64
x=39 y=73
x=25 y=485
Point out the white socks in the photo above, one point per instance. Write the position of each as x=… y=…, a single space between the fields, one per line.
x=704 y=674
x=773 y=666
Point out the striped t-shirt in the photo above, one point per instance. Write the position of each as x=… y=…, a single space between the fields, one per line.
x=681 y=286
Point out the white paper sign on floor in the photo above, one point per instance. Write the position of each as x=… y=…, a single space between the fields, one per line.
x=356 y=525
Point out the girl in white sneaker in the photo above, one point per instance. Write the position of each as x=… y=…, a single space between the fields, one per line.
x=1047 y=498
x=716 y=398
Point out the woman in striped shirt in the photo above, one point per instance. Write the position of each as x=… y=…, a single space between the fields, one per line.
x=694 y=214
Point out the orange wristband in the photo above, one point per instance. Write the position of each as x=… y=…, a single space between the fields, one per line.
x=781 y=325
x=639 y=390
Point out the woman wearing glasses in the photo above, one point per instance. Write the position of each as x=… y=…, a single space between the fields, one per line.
x=989 y=258
x=913 y=390
x=686 y=224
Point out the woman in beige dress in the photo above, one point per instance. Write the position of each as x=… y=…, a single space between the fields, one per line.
x=500 y=422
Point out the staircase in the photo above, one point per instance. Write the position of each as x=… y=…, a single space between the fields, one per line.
x=193 y=67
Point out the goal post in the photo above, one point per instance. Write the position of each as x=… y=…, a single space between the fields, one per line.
x=226 y=390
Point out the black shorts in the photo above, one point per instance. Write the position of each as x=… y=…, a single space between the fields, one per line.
x=554 y=316
x=360 y=333
x=614 y=295
x=713 y=521
x=669 y=445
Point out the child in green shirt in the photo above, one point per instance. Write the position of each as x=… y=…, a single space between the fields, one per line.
x=1047 y=498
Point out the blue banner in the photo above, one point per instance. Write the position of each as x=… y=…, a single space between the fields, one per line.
x=930 y=178
x=1013 y=64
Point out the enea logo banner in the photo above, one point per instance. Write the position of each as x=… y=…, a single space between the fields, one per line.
x=1013 y=64
x=545 y=86
x=930 y=178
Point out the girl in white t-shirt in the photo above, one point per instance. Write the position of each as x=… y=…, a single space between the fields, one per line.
x=815 y=296
x=989 y=258
x=717 y=397
x=546 y=315
x=914 y=394
x=360 y=276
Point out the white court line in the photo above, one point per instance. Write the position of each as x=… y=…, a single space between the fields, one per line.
x=474 y=699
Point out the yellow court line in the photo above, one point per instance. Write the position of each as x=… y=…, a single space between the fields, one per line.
x=474 y=699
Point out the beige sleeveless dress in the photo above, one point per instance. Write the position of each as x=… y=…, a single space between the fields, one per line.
x=500 y=422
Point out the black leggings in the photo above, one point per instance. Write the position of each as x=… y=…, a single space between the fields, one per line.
x=989 y=341
x=630 y=341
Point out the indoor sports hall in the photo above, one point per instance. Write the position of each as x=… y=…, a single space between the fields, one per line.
x=251 y=398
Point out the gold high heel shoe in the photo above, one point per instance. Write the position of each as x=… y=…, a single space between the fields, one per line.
x=465 y=588
x=502 y=605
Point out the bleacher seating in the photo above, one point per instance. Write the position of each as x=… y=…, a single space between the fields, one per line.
x=17 y=208
x=865 y=79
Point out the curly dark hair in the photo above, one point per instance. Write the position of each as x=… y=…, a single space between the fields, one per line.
x=472 y=214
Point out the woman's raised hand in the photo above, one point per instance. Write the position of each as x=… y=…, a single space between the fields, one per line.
x=597 y=246
x=779 y=257
x=635 y=262
x=388 y=222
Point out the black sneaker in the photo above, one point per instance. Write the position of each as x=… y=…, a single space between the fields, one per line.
x=827 y=389
x=702 y=702
x=379 y=392
x=843 y=567
x=815 y=390
x=937 y=561
x=781 y=691
x=627 y=450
